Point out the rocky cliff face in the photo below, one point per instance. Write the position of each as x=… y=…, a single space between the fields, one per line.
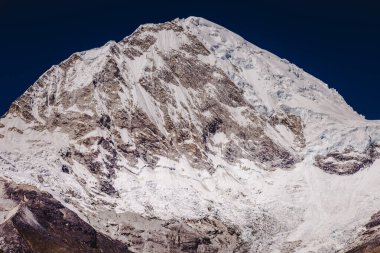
x=33 y=221
x=184 y=136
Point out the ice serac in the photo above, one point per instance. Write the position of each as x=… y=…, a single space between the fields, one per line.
x=184 y=137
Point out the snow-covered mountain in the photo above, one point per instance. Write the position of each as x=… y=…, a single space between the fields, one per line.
x=184 y=137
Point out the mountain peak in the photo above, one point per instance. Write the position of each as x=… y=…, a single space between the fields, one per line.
x=186 y=120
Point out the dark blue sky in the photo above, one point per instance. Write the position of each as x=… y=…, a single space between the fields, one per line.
x=338 y=42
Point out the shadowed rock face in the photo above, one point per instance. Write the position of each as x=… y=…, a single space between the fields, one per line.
x=37 y=223
x=369 y=240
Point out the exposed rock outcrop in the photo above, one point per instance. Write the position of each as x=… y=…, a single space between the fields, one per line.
x=33 y=221
x=369 y=240
x=349 y=161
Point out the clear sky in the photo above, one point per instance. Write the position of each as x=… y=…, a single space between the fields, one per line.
x=337 y=41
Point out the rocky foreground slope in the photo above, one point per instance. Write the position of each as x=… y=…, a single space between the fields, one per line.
x=184 y=137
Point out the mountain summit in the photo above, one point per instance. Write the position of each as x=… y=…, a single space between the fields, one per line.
x=184 y=137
